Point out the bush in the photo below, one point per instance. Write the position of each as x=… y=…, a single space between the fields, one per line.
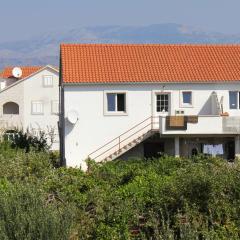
x=26 y=213
x=165 y=198
x=27 y=141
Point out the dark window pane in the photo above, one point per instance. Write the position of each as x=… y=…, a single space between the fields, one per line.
x=162 y=103
x=187 y=97
x=233 y=100
x=121 y=103
x=111 y=102
x=239 y=100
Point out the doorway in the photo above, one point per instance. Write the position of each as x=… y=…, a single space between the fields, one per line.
x=230 y=150
x=153 y=149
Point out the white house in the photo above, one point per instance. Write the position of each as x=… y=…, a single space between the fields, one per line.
x=119 y=101
x=29 y=99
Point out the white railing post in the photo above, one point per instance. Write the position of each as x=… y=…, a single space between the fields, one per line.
x=119 y=143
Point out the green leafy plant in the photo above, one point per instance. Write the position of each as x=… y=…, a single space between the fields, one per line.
x=27 y=140
x=162 y=198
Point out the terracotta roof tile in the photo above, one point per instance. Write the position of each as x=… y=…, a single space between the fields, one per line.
x=103 y=63
x=26 y=70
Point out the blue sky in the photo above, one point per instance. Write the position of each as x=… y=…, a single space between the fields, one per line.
x=20 y=19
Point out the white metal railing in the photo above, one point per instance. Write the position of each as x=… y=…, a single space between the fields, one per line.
x=207 y=124
x=116 y=144
x=9 y=121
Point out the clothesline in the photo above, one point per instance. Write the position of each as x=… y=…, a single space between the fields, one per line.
x=213 y=149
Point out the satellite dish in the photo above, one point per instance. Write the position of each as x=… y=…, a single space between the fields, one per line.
x=72 y=117
x=17 y=72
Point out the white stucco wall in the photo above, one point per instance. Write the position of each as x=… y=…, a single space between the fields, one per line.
x=94 y=129
x=12 y=94
x=34 y=90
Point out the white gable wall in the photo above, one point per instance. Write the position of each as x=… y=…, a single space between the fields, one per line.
x=94 y=129
x=34 y=90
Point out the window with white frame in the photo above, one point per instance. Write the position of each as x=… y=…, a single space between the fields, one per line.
x=186 y=99
x=116 y=103
x=37 y=107
x=234 y=99
x=47 y=81
x=162 y=102
x=55 y=107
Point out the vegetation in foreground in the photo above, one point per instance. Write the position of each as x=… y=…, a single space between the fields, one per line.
x=164 y=198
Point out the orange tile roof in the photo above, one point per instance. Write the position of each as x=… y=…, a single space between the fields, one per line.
x=26 y=71
x=104 y=63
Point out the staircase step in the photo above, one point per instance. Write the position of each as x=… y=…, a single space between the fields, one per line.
x=137 y=137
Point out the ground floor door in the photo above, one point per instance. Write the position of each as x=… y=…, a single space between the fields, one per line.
x=231 y=150
x=153 y=149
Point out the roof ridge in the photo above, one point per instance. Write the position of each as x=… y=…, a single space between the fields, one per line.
x=153 y=44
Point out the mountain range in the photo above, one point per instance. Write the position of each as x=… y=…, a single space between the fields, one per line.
x=44 y=49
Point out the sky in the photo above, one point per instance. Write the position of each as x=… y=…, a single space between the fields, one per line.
x=22 y=19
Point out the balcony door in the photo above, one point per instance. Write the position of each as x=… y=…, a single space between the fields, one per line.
x=162 y=104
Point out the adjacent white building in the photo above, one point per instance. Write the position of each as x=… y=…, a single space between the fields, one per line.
x=119 y=101
x=29 y=100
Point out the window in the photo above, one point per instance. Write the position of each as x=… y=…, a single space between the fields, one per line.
x=10 y=108
x=48 y=81
x=116 y=103
x=187 y=98
x=55 y=107
x=233 y=100
x=37 y=108
x=2 y=85
x=162 y=102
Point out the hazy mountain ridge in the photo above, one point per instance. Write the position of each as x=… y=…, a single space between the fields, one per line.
x=44 y=49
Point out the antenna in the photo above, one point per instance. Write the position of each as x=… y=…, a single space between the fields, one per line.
x=72 y=117
x=17 y=72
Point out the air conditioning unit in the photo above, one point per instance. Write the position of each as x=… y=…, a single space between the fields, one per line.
x=179 y=112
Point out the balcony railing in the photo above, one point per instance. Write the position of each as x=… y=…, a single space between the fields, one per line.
x=9 y=121
x=205 y=125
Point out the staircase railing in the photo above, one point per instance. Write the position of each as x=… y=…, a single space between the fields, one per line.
x=121 y=141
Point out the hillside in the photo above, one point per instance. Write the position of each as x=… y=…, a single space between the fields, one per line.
x=44 y=49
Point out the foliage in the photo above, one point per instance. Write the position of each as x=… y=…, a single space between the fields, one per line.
x=27 y=140
x=166 y=198
x=25 y=213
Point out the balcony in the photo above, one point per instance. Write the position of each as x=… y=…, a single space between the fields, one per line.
x=10 y=121
x=203 y=125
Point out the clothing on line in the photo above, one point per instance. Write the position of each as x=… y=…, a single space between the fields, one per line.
x=213 y=149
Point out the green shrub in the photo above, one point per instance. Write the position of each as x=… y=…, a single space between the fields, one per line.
x=165 y=198
x=27 y=141
x=27 y=213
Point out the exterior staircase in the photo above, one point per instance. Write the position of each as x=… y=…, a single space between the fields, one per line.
x=126 y=141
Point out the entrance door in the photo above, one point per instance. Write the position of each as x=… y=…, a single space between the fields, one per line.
x=230 y=150
x=162 y=104
x=153 y=149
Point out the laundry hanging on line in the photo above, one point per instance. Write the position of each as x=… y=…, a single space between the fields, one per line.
x=213 y=150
